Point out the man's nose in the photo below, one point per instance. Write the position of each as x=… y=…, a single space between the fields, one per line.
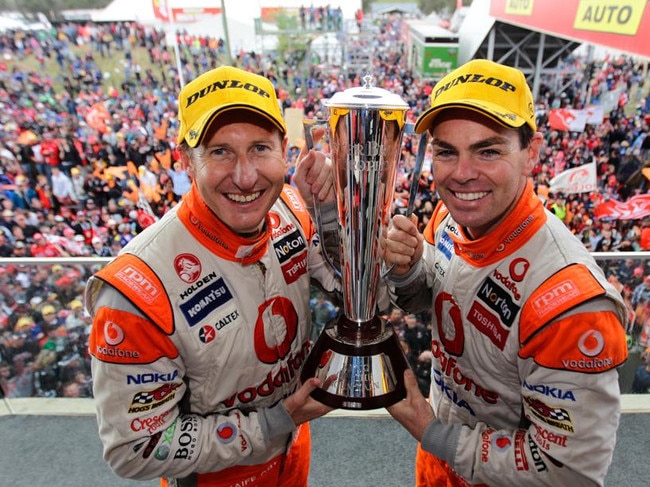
x=245 y=174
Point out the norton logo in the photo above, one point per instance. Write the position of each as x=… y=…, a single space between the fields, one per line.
x=113 y=334
x=591 y=343
x=187 y=267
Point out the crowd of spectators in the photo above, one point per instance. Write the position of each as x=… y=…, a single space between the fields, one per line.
x=85 y=167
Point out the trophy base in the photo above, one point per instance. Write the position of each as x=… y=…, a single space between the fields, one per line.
x=361 y=365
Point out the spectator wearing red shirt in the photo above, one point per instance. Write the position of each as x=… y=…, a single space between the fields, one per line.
x=51 y=153
x=44 y=248
x=644 y=241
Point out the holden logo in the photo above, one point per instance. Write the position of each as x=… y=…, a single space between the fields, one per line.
x=113 y=334
x=187 y=267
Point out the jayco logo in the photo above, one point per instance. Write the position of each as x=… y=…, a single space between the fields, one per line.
x=226 y=84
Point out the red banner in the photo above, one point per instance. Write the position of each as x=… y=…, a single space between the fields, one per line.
x=161 y=10
x=191 y=14
x=574 y=120
x=567 y=119
x=619 y=24
x=635 y=208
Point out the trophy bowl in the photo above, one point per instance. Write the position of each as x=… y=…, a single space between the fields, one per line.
x=358 y=356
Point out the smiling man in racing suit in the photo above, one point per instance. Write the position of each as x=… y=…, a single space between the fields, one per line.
x=527 y=332
x=202 y=323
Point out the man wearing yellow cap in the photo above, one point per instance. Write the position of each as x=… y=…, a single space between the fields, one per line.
x=527 y=332
x=202 y=322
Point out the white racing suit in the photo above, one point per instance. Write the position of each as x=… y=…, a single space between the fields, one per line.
x=527 y=335
x=197 y=336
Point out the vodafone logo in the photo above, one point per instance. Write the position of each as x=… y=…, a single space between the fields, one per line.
x=450 y=330
x=518 y=269
x=274 y=220
x=282 y=308
x=501 y=442
x=591 y=343
x=113 y=334
x=578 y=175
x=226 y=432
x=187 y=267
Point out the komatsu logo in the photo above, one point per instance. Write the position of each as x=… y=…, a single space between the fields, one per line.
x=205 y=301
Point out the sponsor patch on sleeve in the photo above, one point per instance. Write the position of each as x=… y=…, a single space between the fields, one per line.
x=124 y=338
x=564 y=290
x=584 y=342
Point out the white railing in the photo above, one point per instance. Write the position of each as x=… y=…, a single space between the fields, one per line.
x=56 y=405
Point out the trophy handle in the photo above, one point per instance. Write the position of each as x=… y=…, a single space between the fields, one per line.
x=415 y=183
x=308 y=126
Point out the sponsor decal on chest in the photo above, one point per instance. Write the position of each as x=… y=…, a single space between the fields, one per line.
x=291 y=250
x=445 y=245
x=497 y=303
x=204 y=299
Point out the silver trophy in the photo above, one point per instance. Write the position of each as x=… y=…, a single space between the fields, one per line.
x=358 y=356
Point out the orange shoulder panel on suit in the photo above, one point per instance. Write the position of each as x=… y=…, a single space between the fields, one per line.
x=139 y=283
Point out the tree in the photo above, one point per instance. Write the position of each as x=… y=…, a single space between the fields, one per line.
x=438 y=6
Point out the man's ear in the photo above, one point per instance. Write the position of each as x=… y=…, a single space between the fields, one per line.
x=186 y=162
x=534 y=149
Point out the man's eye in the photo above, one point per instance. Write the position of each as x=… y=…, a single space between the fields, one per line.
x=442 y=154
x=489 y=153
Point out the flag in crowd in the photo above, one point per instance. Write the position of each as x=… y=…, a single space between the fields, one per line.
x=573 y=120
x=635 y=208
x=581 y=179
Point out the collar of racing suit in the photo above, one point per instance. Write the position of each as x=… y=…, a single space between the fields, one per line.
x=211 y=232
x=525 y=219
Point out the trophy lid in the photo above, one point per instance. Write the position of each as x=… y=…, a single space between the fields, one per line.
x=366 y=96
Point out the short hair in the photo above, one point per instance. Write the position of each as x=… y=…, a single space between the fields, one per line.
x=525 y=135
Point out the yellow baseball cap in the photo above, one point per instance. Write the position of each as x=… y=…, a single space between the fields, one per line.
x=22 y=322
x=48 y=309
x=222 y=89
x=495 y=90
